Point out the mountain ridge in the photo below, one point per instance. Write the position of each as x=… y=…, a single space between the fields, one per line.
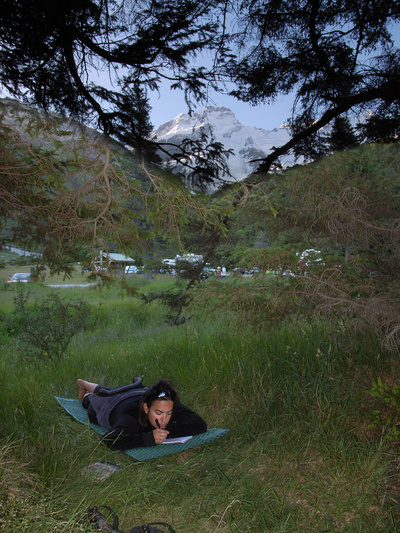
x=247 y=142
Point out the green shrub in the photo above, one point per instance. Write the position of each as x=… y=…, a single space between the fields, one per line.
x=387 y=416
x=45 y=327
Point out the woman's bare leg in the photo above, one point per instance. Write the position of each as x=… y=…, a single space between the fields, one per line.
x=85 y=387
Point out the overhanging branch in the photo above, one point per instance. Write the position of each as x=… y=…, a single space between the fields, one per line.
x=343 y=105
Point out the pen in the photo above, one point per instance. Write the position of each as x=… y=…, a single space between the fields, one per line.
x=158 y=425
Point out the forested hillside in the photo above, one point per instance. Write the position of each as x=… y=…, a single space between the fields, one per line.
x=68 y=191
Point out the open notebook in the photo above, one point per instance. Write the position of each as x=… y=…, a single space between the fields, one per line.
x=177 y=440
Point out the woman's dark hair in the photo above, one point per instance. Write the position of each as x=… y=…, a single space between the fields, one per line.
x=162 y=390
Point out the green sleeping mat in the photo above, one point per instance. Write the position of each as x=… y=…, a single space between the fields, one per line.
x=75 y=409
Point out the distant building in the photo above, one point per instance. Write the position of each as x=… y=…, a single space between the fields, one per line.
x=117 y=262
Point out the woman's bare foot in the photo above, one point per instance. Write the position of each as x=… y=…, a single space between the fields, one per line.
x=85 y=387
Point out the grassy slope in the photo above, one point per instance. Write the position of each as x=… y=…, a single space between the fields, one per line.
x=298 y=456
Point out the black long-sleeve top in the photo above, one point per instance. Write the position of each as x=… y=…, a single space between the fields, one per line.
x=126 y=432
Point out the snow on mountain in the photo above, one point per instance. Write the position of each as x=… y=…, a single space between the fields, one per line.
x=247 y=142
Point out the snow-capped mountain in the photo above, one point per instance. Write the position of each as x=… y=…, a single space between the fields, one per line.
x=248 y=143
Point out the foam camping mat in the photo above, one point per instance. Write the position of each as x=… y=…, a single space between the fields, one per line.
x=75 y=409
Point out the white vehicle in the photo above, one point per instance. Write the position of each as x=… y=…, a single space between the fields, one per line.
x=19 y=277
x=169 y=262
x=131 y=269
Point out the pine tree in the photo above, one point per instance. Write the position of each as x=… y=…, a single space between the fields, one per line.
x=342 y=135
x=333 y=56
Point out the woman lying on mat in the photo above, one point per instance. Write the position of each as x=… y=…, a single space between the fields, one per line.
x=138 y=416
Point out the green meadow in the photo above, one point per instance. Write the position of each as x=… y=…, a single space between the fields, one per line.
x=302 y=453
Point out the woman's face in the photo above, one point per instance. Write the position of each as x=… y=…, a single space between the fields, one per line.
x=160 y=410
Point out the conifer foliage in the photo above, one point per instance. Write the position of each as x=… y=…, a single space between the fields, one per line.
x=97 y=59
x=332 y=55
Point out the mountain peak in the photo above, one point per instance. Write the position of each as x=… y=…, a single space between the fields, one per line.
x=198 y=119
x=247 y=142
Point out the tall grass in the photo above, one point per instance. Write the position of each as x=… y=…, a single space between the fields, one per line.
x=299 y=456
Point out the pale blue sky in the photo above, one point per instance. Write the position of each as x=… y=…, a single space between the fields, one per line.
x=170 y=103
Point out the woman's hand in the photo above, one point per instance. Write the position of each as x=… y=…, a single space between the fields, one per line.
x=160 y=435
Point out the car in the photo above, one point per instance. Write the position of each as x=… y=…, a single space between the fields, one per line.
x=19 y=277
x=131 y=270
